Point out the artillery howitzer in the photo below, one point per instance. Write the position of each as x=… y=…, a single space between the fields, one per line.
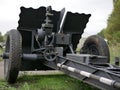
x=47 y=39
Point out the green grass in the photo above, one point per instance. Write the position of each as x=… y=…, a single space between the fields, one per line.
x=114 y=52
x=1 y=51
x=46 y=82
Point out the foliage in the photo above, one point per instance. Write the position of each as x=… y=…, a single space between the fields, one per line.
x=114 y=52
x=1 y=37
x=102 y=33
x=112 y=31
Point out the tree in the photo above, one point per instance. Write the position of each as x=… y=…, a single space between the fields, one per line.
x=102 y=33
x=1 y=37
x=112 y=32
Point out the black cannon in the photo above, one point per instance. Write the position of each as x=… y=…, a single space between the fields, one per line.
x=46 y=39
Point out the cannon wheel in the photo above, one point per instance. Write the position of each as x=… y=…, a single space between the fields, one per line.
x=13 y=63
x=96 y=45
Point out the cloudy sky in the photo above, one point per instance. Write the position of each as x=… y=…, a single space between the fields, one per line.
x=100 y=10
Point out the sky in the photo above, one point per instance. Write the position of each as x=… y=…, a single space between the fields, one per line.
x=99 y=9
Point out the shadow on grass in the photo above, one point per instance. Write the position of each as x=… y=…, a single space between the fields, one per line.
x=50 y=82
x=46 y=82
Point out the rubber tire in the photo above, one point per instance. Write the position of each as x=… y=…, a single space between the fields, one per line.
x=96 y=45
x=13 y=63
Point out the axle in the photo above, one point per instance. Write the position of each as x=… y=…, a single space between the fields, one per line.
x=25 y=56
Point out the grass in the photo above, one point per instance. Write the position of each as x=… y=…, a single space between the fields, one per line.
x=46 y=82
x=114 y=52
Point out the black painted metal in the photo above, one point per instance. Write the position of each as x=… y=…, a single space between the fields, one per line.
x=103 y=80
x=101 y=70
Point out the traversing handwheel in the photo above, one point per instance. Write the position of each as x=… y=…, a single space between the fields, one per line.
x=50 y=54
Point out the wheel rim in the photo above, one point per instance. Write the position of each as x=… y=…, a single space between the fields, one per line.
x=92 y=49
